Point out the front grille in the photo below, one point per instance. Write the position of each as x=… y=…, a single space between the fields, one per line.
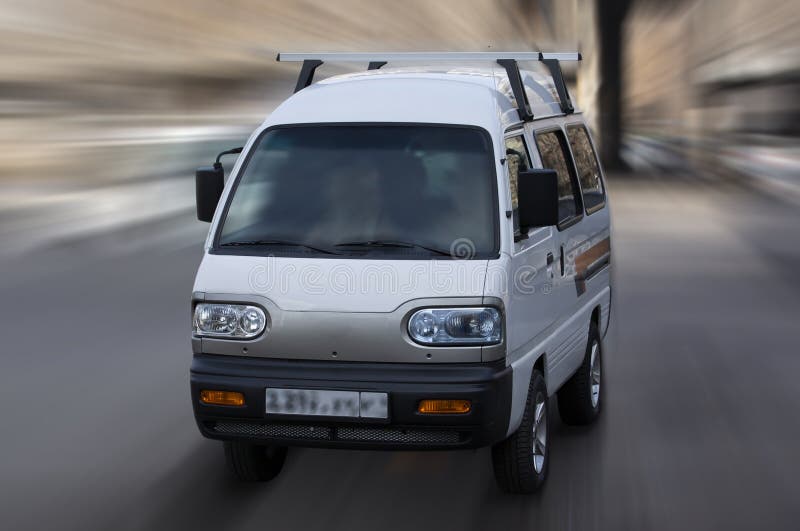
x=341 y=433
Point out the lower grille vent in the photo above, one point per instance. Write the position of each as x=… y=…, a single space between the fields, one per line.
x=341 y=433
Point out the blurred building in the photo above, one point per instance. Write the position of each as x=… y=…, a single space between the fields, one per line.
x=715 y=82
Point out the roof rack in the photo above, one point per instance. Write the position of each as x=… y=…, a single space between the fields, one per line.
x=508 y=60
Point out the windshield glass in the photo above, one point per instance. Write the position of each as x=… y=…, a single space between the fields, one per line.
x=384 y=190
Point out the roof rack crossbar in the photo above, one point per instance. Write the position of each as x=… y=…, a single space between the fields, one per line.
x=365 y=57
x=508 y=60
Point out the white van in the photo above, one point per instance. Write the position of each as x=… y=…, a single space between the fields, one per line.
x=409 y=259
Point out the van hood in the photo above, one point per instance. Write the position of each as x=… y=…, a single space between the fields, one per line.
x=339 y=285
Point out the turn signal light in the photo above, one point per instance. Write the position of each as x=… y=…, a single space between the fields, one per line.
x=444 y=406
x=222 y=398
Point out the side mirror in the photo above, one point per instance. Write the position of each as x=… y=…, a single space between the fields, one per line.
x=209 y=182
x=537 y=192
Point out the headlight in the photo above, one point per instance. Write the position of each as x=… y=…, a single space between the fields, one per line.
x=229 y=320
x=456 y=326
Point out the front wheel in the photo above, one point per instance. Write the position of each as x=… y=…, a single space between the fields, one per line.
x=250 y=462
x=520 y=462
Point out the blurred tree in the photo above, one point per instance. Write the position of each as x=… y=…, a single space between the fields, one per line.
x=610 y=25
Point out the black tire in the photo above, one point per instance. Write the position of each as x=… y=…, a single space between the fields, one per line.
x=250 y=462
x=576 y=405
x=514 y=462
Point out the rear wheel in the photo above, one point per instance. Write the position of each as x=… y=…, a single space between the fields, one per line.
x=580 y=399
x=250 y=462
x=521 y=461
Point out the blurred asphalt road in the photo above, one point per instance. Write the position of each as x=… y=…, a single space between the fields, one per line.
x=700 y=428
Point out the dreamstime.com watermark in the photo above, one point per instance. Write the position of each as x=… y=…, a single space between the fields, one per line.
x=460 y=275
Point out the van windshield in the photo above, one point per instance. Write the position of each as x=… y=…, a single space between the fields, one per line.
x=385 y=191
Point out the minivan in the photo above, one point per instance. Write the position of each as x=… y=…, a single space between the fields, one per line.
x=405 y=258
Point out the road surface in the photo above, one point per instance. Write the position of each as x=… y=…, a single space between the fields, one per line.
x=700 y=428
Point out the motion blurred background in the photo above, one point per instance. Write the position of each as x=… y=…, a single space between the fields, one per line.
x=107 y=107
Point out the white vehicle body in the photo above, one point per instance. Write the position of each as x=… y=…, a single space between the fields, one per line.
x=549 y=286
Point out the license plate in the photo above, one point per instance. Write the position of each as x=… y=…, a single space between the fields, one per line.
x=325 y=403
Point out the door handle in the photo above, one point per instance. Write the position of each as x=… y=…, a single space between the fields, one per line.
x=562 y=260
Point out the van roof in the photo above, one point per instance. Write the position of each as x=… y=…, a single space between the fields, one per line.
x=424 y=94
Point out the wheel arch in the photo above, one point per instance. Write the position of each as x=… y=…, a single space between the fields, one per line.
x=522 y=375
x=595 y=318
x=539 y=364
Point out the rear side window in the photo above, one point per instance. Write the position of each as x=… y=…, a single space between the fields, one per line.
x=553 y=150
x=588 y=169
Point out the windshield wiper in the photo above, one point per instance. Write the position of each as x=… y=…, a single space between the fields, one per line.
x=256 y=243
x=393 y=243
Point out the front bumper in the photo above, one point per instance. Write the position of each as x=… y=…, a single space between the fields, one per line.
x=487 y=385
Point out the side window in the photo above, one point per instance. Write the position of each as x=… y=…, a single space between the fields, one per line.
x=517 y=160
x=553 y=150
x=588 y=169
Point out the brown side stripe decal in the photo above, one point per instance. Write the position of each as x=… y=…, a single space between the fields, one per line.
x=589 y=262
